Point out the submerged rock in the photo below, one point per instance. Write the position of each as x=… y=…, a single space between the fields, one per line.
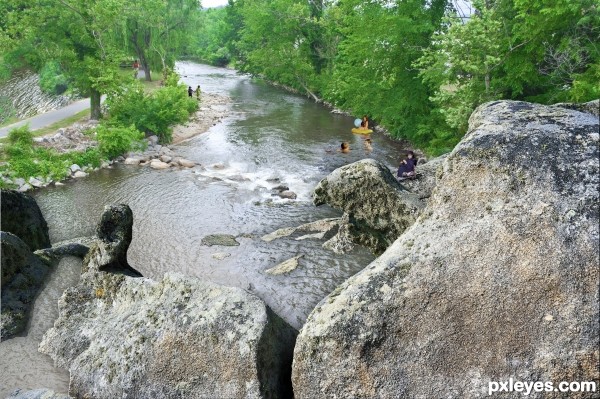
x=323 y=227
x=23 y=275
x=284 y=267
x=379 y=208
x=225 y=240
x=22 y=216
x=497 y=278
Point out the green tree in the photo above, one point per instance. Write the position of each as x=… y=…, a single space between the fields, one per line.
x=77 y=34
x=157 y=31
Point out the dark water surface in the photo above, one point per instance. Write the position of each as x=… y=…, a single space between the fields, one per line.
x=270 y=134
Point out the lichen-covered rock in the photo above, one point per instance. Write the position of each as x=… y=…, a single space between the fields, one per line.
x=22 y=217
x=177 y=338
x=225 y=240
x=378 y=207
x=23 y=276
x=497 y=279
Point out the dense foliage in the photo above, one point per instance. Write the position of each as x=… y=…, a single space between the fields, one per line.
x=417 y=67
x=155 y=112
x=83 y=42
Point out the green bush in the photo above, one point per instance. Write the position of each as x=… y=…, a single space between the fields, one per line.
x=20 y=136
x=153 y=113
x=116 y=140
x=52 y=80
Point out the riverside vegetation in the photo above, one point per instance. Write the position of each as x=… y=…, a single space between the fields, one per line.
x=133 y=113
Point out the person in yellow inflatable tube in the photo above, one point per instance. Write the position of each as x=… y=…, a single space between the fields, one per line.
x=364 y=124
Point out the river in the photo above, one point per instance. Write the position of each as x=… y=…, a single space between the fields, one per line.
x=270 y=134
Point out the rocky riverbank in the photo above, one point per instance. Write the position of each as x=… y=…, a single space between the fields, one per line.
x=80 y=137
x=490 y=272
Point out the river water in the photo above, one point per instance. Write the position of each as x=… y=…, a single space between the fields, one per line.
x=270 y=134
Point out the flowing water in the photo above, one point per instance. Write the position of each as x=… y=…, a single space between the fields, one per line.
x=270 y=134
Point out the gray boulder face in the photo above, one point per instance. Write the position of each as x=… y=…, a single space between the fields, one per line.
x=177 y=338
x=379 y=208
x=22 y=217
x=497 y=279
x=23 y=276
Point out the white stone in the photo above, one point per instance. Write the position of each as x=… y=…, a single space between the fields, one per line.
x=156 y=164
x=79 y=174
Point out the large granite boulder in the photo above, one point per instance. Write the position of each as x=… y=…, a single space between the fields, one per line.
x=497 y=279
x=125 y=336
x=379 y=208
x=23 y=275
x=22 y=217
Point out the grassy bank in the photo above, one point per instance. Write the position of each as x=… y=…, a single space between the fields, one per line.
x=144 y=108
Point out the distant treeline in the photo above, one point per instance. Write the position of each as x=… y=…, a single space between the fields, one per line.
x=417 y=67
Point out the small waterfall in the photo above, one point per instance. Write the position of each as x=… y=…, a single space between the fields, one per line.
x=22 y=91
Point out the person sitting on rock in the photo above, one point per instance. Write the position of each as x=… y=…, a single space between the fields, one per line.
x=407 y=166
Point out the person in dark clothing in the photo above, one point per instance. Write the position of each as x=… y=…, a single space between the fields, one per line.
x=190 y=91
x=407 y=166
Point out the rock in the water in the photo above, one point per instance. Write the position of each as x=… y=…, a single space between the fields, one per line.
x=284 y=267
x=132 y=161
x=220 y=255
x=22 y=217
x=114 y=232
x=323 y=227
x=23 y=276
x=156 y=164
x=379 y=208
x=287 y=194
x=176 y=338
x=343 y=241
x=225 y=240
x=497 y=279
x=36 y=394
x=186 y=163
x=74 y=168
x=79 y=174
x=37 y=183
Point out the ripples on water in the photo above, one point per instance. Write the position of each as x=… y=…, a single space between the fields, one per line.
x=270 y=134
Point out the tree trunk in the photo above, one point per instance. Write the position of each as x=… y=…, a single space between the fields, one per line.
x=95 y=111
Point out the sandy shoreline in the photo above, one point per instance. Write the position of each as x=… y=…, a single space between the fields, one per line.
x=213 y=108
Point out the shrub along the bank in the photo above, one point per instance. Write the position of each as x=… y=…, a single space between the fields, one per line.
x=153 y=113
x=24 y=160
x=132 y=114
